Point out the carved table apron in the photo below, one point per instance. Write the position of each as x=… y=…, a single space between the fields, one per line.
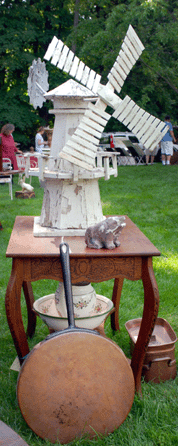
x=36 y=258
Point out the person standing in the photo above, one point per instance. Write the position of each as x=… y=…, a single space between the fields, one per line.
x=8 y=145
x=39 y=141
x=167 y=143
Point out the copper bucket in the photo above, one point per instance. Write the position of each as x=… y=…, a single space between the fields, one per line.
x=159 y=362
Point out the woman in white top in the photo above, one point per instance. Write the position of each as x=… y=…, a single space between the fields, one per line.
x=39 y=141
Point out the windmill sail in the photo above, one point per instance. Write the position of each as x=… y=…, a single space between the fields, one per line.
x=66 y=60
x=82 y=147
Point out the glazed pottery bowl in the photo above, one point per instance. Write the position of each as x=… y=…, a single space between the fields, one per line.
x=45 y=308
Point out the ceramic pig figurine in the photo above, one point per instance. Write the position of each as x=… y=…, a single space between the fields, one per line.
x=105 y=234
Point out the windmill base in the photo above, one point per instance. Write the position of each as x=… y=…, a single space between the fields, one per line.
x=69 y=208
x=42 y=231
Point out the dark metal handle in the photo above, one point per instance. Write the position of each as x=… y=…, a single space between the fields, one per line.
x=65 y=262
x=170 y=362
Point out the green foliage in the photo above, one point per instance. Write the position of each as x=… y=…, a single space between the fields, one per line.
x=27 y=27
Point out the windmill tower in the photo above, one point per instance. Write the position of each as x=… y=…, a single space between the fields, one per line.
x=72 y=189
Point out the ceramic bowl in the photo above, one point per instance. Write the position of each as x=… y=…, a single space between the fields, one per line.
x=46 y=309
x=84 y=300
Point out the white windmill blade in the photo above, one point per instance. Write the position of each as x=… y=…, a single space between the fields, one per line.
x=146 y=127
x=65 y=59
x=82 y=147
x=130 y=52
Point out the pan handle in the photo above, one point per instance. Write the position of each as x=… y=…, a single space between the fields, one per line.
x=65 y=262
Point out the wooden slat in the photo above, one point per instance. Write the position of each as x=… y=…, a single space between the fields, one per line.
x=68 y=62
x=99 y=112
x=114 y=83
x=132 y=113
x=92 y=115
x=155 y=134
x=92 y=124
x=74 y=160
x=138 y=116
x=85 y=154
x=134 y=38
x=141 y=122
x=51 y=48
x=89 y=130
x=90 y=81
x=63 y=57
x=85 y=75
x=125 y=60
x=80 y=70
x=84 y=143
x=157 y=140
x=86 y=136
x=128 y=53
x=57 y=52
x=123 y=74
x=120 y=79
x=147 y=125
x=147 y=129
x=96 y=83
x=121 y=107
x=126 y=112
x=74 y=67
x=131 y=48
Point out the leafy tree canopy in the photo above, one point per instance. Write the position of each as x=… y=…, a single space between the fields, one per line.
x=96 y=30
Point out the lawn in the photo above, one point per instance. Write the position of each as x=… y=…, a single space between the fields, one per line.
x=149 y=196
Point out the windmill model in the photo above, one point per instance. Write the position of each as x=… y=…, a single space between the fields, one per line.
x=71 y=194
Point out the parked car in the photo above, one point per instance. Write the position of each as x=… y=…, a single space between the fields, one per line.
x=125 y=143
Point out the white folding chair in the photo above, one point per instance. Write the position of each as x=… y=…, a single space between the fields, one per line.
x=7 y=165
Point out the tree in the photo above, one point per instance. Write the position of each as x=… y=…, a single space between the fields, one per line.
x=26 y=28
x=153 y=81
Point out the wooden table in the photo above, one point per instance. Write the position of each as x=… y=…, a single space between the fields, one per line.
x=36 y=258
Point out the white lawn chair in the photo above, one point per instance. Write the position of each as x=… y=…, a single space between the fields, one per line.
x=7 y=165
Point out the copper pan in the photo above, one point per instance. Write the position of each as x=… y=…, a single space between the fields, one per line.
x=76 y=381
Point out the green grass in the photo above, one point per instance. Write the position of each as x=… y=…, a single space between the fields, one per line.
x=149 y=196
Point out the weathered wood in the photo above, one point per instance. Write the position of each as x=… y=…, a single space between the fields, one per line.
x=85 y=75
x=79 y=132
x=114 y=83
x=99 y=112
x=96 y=83
x=79 y=73
x=74 y=67
x=108 y=97
x=134 y=38
x=68 y=62
x=75 y=160
x=57 y=52
x=63 y=57
x=51 y=48
x=90 y=80
x=80 y=152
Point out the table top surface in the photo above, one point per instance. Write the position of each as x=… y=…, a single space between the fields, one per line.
x=22 y=243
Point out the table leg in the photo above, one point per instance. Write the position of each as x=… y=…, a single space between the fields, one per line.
x=13 y=310
x=150 y=312
x=28 y=293
x=116 y=297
